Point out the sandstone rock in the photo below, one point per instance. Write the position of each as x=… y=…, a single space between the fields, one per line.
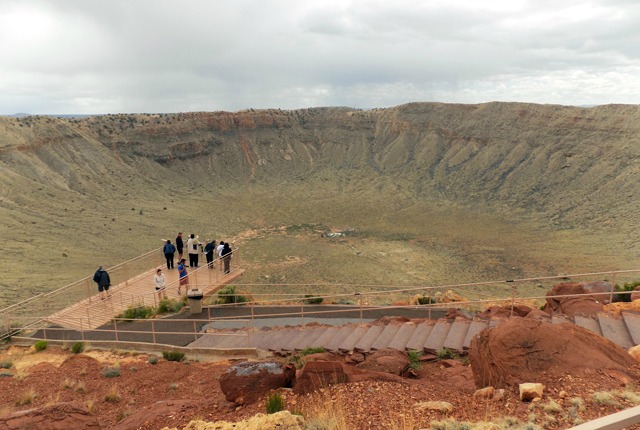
x=322 y=356
x=520 y=348
x=318 y=374
x=451 y=296
x=530 y=391
x=433 y=406
x=504 y=312
x=61 y=416
x=282 y=420
x=634 y=351
x=537 y=314
x=246 y=382
x=585 y=303
x=354 y=358
x=485 y=393
x=458 y=378
x=386 y=360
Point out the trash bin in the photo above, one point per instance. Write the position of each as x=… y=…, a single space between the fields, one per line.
x=194 y=298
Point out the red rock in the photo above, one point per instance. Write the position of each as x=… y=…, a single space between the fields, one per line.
x=61 y=416
x=246 y=382
x=584 y=303
x=519 y=349
x=387 y=361
x=319 y=374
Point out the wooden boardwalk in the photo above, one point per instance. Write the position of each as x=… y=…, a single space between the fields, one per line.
x=93 y=312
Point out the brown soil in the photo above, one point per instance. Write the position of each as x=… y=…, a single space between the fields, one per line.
x=171 y=394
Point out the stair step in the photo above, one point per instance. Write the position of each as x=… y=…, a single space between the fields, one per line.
x=327 y=336
x=385 y=338
x=632 y=321
x=437 y=337
x=475 y=328
x=615 y=330
x=457 y=334
x=419 y=337
x=368 y=338
x=350 y=342
x=341 y=336
x=239 y=340
x=402 y=336
x=262 y=339
x=297 y=335
x=309 y=340
x=558 y=319
x=279 y=338
x=588 y=323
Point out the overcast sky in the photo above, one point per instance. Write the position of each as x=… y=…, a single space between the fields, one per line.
x=84 y=56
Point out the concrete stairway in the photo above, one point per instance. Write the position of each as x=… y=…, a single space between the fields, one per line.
x=427 y=336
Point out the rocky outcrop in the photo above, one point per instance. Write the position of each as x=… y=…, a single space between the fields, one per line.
x=590 y=298
x=246 y=382
x=519 y=349
x=61 y=416
x=282 y=420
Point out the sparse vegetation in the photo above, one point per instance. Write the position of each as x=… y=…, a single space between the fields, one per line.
x=227 y=295
x=26 y=398
x=312 y=350
x=111 y=372
x=311 y=300
x=6 y=364
x=137 y=312
x=274 y=403
x=169 y=306
x=40 y=345
x=173 y=355
x=626 y=288
x=445 y=354
x=113 y=395
x=153 y=359
x=77 y=347
x=414 y=359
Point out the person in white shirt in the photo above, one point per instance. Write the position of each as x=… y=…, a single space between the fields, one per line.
x=161 y=284
x=219 y=252
x=192 y=249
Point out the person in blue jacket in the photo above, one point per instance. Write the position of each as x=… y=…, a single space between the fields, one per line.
x=169 y=251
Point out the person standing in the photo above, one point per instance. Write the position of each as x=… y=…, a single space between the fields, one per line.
x=192 y=249
x=161 y=284
x=219 y=252
x=208 y=252
x=226 y=257
x=169 y=251
x=179 y=245
x=184 y=276
x=101 y=277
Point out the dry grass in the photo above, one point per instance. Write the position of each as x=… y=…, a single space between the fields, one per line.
x=113 y=395
x=26 y=398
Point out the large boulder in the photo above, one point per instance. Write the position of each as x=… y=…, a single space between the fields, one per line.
x=587 y=298
x=503 y=312
x=318 y=374
x=386 y=360
x=519 y=349
x=246 y=382
x=60 y=416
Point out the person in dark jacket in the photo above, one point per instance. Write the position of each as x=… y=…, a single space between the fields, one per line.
x=169 y=251
x=226 y=257
x=208 y=252
x=101 y=277
x=179 y=245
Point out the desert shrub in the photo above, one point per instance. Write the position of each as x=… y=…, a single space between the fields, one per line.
x=77 y=347
x=449 y=424
x=153 y=359
x=228 y=295
x=6 y=374
x=26 y=398
x=312 y=350
x=111 y=372
x=604 y=398
x=445 y=353
x=173 y=386
x=275 y=403
x=41 y=345
x=425 y=300
x=311 y=300
x=552 y=407
x=169 y=306
x=137 y=313
x=626 y=287
x=414 y=359
x=112 y=396
x=6 y=364
x=173 y=355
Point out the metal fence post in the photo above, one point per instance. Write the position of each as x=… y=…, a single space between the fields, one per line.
x=195 y=333
x=115 y=328
x=360 y=300
x=153 y=331
x=613 y=287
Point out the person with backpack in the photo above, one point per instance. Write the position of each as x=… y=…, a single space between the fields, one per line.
x=208 y=253
x=169 y=251
x=226 y=257
x=101 y=277
x=179 y=245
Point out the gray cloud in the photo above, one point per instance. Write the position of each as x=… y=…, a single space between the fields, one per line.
x=74 y=56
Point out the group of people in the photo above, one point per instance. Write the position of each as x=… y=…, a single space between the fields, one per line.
x=194 y=247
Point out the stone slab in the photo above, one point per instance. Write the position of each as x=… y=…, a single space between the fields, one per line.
x=402 y=336
x=475 y=328
x=437 y=337
x=327 y=336
x=615 y=330
x=350 y=342
x=632 y=321
x=589 y=323
x=308 y=340
x=386 y=336
x=368 y=338
x=419 y=337
x=344 y=332
x=457 y=334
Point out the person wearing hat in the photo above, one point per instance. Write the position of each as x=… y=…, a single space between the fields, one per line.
x=101 y=277
x=184 y=276
x=161 y=284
